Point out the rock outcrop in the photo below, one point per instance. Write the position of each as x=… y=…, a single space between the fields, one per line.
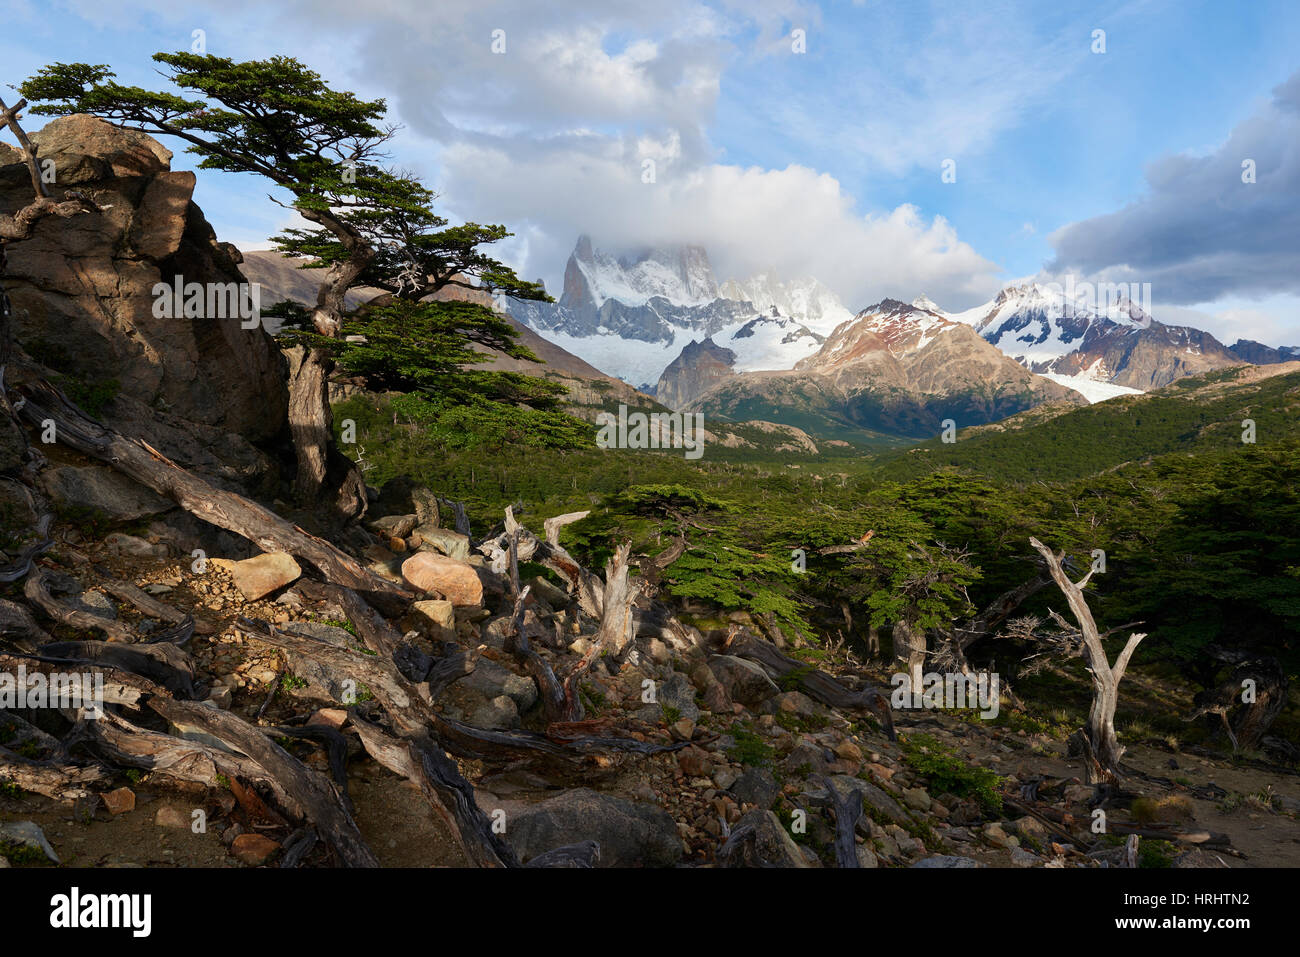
x=83 y=293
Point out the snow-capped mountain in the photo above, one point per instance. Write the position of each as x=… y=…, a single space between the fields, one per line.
x=893 y=369
x=804 y=299
x=1100 y=348
x=680 y=274
x=633 y=316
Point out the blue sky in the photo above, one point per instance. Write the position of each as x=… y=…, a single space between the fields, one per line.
x=1115 y=165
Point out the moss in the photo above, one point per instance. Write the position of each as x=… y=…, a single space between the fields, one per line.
x=750 y=749
x=22 y=855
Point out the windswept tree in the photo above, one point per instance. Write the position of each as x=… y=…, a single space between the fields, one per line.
x=417 y=253
x=372 y=226
x=909 y=581
x=278 y=119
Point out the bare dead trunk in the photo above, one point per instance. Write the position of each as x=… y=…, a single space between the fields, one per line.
x=1101 y=745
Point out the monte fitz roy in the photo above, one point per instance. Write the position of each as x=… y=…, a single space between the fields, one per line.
x=788 y=350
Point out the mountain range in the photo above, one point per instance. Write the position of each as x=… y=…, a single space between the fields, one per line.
x=790 y=351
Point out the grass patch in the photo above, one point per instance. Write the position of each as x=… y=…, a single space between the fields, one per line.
x=945 y=773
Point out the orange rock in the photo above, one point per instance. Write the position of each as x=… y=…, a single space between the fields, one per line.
x=254 y=849
x=456 y=581
x=119 y=801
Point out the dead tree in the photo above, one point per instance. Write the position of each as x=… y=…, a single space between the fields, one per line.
x=1102 y=750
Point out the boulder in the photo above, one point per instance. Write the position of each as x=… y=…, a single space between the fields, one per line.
x=630 y=834
x=403 y=495
x=759 y=840
x=437 y=616
x=103 y=490
x=253 y=849
x=257 y=577
x=744 y=681
x=490 y=679
x=450 y=543
x=457 y=582
x=83 y=288
x=756 y=786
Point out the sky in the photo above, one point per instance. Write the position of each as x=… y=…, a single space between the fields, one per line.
x=887 y=148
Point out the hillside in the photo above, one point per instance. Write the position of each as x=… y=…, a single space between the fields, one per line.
x=1201 y=413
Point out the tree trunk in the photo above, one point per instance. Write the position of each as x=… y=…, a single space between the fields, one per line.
x=325 y=475
x=909 y=649
x=1101 y=745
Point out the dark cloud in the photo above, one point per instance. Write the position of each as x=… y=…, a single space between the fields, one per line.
x=1201 y=233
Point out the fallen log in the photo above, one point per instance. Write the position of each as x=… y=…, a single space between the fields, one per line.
x=163 y=663
x=119 y=687
x=39 y=595
x=143 y=601
x=235 y=513
x=181 y=759
x=423 y=763
x=60 y=780
x=323 y=805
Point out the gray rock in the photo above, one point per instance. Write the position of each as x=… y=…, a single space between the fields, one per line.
x=450 y=543
x=759 y=840
x=743 y=680
x=28 y=834
x=490 y=680
x=630 y=834
x=756 y=786
x=398 y=526
x=120 y=543
x=881 y=801
x=808 y=759
x=321 y=680
x=677 y=692
x=498 y=714
x=94 y=603
x=103 y=490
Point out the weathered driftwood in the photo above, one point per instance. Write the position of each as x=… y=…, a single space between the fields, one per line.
x=319 y=797
x=120 y=687
x=180 y=759
x=163 y=663
x=37 y=592
x=1102 y=748
x=418 y=759
x=60 y=780
x=846 y=811
x=587 y=587
x=143 y=601
x=227 y=510
x=408 y=706
x=561 y=701
x=816 y=684
x=18 y=625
